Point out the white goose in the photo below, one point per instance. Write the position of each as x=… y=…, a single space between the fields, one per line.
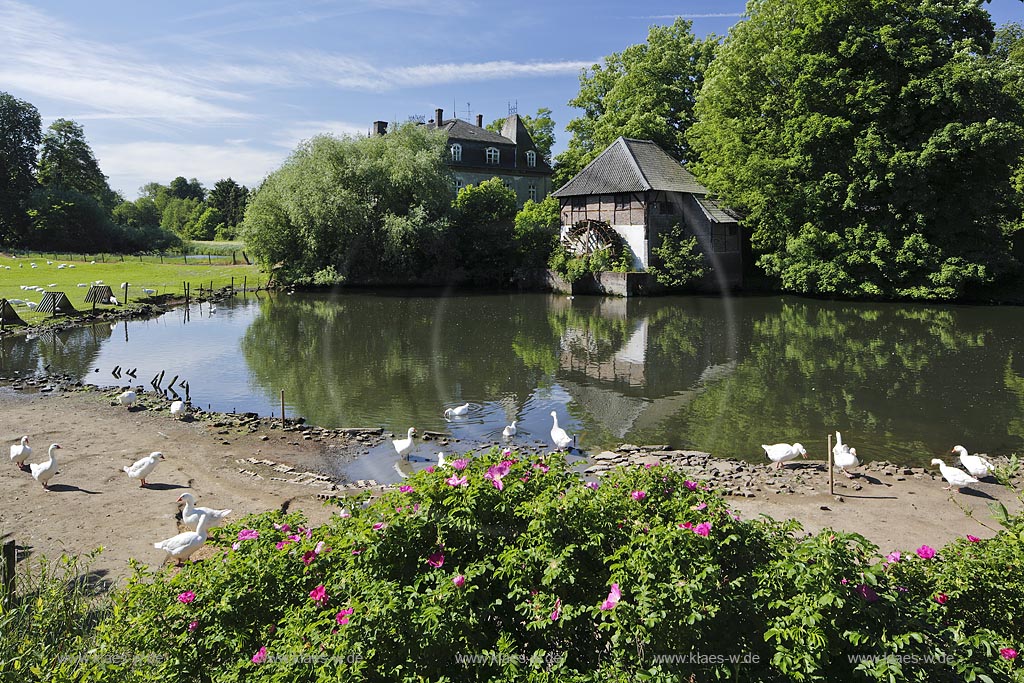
x=177 y=408
x=509 y=430
x=975 y=464
x=127 y=398
x=561 y=439
x=955 y=476
x=457 y=411
x=43 y=471
x=141 y=468
x=404 y=446
x=192 y=513
x=182 y=546
x=843 y=456
x=780 y=453
x=20 y=453
x=441 y=461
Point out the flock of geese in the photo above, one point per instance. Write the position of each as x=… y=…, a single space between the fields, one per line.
x=845 y=458
x=181 y=546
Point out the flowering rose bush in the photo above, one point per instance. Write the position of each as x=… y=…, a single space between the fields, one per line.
x=531 y=572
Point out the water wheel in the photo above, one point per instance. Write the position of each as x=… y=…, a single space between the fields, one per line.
x=588 y=237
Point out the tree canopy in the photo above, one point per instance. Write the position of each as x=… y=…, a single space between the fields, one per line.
x=541 y=127
x=869 y=143
x=647 y=91
x=20 y=133
x=66 y=161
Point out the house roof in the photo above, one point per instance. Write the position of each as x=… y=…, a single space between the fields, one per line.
x=716 y=213
x=629 y=165
x=458 y=129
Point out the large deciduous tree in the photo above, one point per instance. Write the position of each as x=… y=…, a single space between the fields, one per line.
x=229 y=198
x=647 y=91
x=362 y=207
x=869 y=143
x=66 y=162
x=20 y=133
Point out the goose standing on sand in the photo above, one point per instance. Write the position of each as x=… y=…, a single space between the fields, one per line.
x=127 y=398
x=457 y=411
x=780 y=453
x=43 y=471
x=182 y=546
x=843 y=456
x=559 y=436
x=955 y=476
x=975 y=464
x=404 y=446
x=20 y=453
x=510 y=430
x=141 y=468
x=177 y=408
x=192 y=513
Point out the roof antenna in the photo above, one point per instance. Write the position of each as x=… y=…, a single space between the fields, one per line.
x=513 y=108
x=469 y=112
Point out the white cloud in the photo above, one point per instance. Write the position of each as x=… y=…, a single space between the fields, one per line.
x=291 y=136
x=133 y=164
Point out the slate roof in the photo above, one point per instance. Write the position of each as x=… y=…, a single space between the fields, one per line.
x=458 y=129
x=629 y=165
x=716 y=213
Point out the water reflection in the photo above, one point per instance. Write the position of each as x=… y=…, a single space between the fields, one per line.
x=901 y=382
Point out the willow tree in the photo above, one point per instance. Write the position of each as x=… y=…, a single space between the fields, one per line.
x=357 y=208
x=869 y=143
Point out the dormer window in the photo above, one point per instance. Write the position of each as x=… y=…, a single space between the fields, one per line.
x=456 y=152
x=493 y=155
x=531 y=158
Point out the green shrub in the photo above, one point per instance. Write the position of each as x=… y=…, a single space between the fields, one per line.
x=681 y=261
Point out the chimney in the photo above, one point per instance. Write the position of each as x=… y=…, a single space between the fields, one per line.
x=479 y=120
x=438 y=117
x=380 y=127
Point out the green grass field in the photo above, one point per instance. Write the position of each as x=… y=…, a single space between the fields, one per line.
x=164 y=278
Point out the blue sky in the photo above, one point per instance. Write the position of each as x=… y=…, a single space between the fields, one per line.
x=211 y=90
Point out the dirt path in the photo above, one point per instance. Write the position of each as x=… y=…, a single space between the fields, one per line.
x=93 y=503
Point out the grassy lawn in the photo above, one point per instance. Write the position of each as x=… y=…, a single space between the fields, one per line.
x=164 y=278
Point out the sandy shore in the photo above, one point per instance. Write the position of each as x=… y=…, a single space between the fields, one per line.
x=92 y=503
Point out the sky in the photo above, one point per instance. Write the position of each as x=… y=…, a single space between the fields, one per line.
x=228 y=89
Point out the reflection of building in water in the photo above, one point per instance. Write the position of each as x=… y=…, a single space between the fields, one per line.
x=582 y=352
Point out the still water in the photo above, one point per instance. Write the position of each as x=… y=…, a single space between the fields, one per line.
x=902 y=382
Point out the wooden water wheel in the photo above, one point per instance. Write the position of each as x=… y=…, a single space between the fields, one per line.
x=589 y=237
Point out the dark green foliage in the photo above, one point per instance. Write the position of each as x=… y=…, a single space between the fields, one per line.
x=870 y=145
x=20 y=133
x=541 y=127
x=536 y=559
x=647 y=92
x=482 y=230
x=229 y=198
x=187 y=189
x=536 y=232
x=66 y=163
x=681 y=262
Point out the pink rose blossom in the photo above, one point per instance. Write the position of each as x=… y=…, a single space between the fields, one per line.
x=460 y=464
x=1008 y=653
x=192 y=626
x=456 y=480
x=345 y=514
x=690 y=485
x=638 y=495
x=280 y=545
x=558 y=610
x=430 y=468
x=319 y=547
x=867 y=593
x=308 y=557
x=319 y=595
x=699 y=506
x=686 y=525
x=844 y=582
x=236 y=545
x=593 y=485
x=436 y=560
x=926 y=552
x=459 y=580
x=702 y=529
x=613 y=598
x=248 y=535
x=893 y=557
x=186 y=597
x=941 y=598
x=341 y=618
x=378 y=526
x=541 y=466
x=283 y=528
x=260 y=656
x=973 y=539
x=358 y=551
x=405 y=489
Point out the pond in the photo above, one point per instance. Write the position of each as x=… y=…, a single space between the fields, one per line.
x=902 y=382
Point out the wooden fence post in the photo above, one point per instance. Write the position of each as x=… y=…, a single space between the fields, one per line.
x=831 y=473
x=7 y=560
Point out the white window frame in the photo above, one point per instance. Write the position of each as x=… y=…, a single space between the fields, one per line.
x=456 y=152
x=458 y=183
x=493 y=155
x=533 y=192
x=531 y=158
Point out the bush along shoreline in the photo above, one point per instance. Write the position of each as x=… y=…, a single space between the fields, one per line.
x=505 y=566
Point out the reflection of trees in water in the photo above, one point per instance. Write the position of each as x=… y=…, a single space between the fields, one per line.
x=71 y=351
x=1015 y=384
x=892 y=378
x=347 y=359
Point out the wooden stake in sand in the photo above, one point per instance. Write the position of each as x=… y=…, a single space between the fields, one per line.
x=8 y=557
x=831 y=472
x=282 y=407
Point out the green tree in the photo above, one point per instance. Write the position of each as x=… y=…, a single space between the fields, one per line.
x=187 y=189
x=536 y=231
x=141 y=213
x=484 y=216
x=229 y=198
x=868 y=142
x=66 y=161
x=647 y=91
x=204 y=225
x=541 y=127
x=178 y=213
x=347 y=203
x=680 y=260
x=20 y=133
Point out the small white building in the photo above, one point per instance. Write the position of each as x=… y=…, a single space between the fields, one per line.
x=639 y=191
